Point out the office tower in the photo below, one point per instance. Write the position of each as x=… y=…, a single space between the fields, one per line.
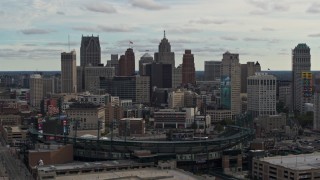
x=188 y=69
x=68 y=72
x=48 y=86
x=114 y=62
x=316 y=112
x=36 y=90
x=93 y=74
x=145 y=59
x=160 y=75
x=164 y=55
x=127 y=63
x=176 y=99
x=177 y=76
x=230 y=83
x=212 y=70
x=90 y=52
x=301 y=62
x=261 y=94
x=80 y=79
x=247 y=70
x=135 y=88
x=285 y=95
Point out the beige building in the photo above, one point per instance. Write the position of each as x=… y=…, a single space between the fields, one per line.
x=219 y=115
x=303 y=166
x=142 y=89
x=10 y=120
x=92 y=76
x=285 y=95
x=68 y=72
x=88 y=115
x=14 y=135
x=176 y=99
x=36 y=90
x=48 y=86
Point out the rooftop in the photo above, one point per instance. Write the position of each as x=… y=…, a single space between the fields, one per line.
x=296 y=162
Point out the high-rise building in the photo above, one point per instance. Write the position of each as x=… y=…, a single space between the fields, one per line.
x=127 y=63
x=316 y=111
x=93 y=74
x=165 y=56
x=114 y=62
x=36 y=90
x=212 y=70
x=68 y=72
x=247 y=70
x=160 y=75
x=177 y=76
x=90 y=52
x=48 y=86
x=230 y=83
x=145 y=59
x=188 y=69
x=176 y=99
x=135 y=88
x=301 y=62
x=262 y=94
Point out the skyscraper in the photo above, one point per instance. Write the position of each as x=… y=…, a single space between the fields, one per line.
x=316 y=111
x=188 y=69
x=262 y=94
x=230 y=83
x=114 y=62
x=165 y=56
x=127 y=63
x=90 y=52
x=36 y=90
x=248 y=69
x=212 y=70
x=145 y=59
x=68 y=72
x=301 y=62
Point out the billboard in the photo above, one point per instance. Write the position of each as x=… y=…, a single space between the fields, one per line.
x=225 y=93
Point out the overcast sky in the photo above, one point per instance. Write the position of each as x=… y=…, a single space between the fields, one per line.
x=35 y=32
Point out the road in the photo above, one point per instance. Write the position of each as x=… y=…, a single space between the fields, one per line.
x=15 y=169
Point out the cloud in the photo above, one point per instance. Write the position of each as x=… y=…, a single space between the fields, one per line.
x=264 y=7
x=30 y=44
x=228 y=38
x=61 y=43
x=208 y=21
x=36 y=31
x=253 y=39
x=105 y=28
x=148 y=4
x=314 y=35
x=183 y=30
x=267 y=29
x=314 y=8
x=100 y=7
x=60 y=13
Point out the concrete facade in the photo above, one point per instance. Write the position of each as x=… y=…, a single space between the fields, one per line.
x=68 y=72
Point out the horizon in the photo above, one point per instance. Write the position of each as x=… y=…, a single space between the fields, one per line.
x=35 y=35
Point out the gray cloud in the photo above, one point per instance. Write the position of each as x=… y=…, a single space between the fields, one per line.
x=267 y=29
x=100 y=7
x=314 y=35
x=183 y=30
x=60 y=13
x=208 y=21
x=314 y=8
x=253 y=39
x=105 y=28
x=271 y=41
x=61 y=44
x=148 y=4
x=36 y=31
x=264 y=7
x=30 y=44
x=228 y=38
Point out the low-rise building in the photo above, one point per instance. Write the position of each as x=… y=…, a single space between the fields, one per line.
x=14 y=135
x=131 y=126
x=218 y=115
x=303 y=166
x=271 y=123
x=169 y=118
x=10 y=120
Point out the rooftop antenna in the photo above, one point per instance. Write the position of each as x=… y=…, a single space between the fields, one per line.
x=164 y=34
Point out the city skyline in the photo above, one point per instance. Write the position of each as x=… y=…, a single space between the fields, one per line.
x=36 y=32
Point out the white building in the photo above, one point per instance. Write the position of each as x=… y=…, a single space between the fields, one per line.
x=176 y=99
x=261 y=94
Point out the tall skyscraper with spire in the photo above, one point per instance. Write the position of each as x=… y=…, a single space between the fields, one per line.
x=90 y=51
x=301 y=64
x=164 y=54
x=188 y=69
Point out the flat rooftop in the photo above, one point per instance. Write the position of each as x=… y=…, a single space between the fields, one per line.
x=135 y=174
x=296 y=162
